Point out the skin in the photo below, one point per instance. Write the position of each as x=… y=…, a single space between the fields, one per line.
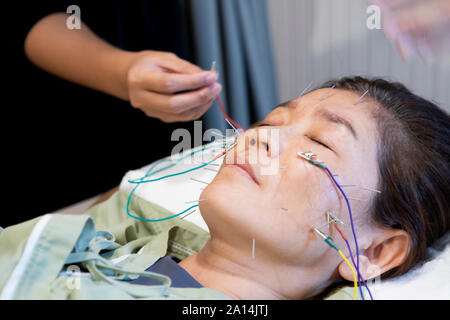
x=150 y=80
x=291 y=262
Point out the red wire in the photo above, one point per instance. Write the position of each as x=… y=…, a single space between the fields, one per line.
x=340 y=231
x=222 y=109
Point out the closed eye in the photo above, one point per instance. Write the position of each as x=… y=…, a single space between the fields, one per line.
x=262 y=124
x=319 y=142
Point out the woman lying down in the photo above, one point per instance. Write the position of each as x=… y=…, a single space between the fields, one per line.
x=389 y=151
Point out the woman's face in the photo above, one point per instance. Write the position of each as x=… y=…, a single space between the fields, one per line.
x=280 y=208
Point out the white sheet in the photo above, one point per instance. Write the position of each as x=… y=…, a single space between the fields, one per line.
x=427 y=280
x=174 y=192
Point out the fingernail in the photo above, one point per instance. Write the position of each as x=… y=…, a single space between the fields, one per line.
x=425 y=53
x=410 y=46
x=211 y=77
x=405 y=47
x=390 y=28
x=216 y=89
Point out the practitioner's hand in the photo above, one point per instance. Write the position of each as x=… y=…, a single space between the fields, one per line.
x=421 y=26
x=169 y=88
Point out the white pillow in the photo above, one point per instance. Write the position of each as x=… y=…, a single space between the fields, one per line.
x=177 y=193
x=428 y=280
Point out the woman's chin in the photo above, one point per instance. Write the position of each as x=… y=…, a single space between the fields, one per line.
x=218 y=201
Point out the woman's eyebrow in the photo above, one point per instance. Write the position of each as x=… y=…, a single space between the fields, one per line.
x=334 y=118
x=323 y=113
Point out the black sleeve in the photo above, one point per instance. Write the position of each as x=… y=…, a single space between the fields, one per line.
x=71 y=141
x=34 y=11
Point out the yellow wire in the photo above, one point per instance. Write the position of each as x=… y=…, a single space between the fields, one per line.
x=354 y=275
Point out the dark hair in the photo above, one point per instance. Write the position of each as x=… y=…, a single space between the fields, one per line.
x=413 y=163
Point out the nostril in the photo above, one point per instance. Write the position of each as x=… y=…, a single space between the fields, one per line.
x=266 y=145
x=252 y=141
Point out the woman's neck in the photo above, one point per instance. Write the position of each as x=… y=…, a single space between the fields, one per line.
x=239 y=277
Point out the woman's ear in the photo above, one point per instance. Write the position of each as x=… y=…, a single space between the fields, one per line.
x=387 y=251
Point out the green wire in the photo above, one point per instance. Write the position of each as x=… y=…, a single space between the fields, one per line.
x=330 y=242
x=173 y=164
x=148 y=173
x=317 y=164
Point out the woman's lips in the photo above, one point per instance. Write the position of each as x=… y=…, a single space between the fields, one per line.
x=246 y=170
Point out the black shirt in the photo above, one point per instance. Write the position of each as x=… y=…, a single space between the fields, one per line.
x=169 y=267
x=66 y=143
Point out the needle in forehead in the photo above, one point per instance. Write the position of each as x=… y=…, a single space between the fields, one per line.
x=304 y=90
x=326 y=93
x=360 y=98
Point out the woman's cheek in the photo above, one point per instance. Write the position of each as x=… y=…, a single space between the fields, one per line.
x=307 y=192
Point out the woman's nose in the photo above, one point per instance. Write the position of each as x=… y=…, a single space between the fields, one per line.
x=265 y=141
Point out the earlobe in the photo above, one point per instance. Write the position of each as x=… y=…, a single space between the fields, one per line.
x=386 y=252
x=367 y=269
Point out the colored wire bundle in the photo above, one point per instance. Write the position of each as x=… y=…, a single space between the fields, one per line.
x=222 y=109
x=150 y=173
x=360 y=278
x=330 y=242
x=355 y=282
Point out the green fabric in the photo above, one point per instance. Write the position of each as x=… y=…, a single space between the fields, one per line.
x=51 y=249
x=37 y=257
x=91 y=242
x=176 y=236
x=185 y=237
x=346 y=293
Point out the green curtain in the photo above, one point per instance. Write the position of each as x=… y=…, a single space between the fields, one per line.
x=235 y=34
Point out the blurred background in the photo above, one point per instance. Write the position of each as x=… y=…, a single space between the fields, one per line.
x=322 y=39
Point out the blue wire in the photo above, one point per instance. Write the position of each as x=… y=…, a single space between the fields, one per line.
x=149 y=173
x=353 y=228
x=173 y=164
x=169 y=175
x=359 y=274
x=153 y=220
